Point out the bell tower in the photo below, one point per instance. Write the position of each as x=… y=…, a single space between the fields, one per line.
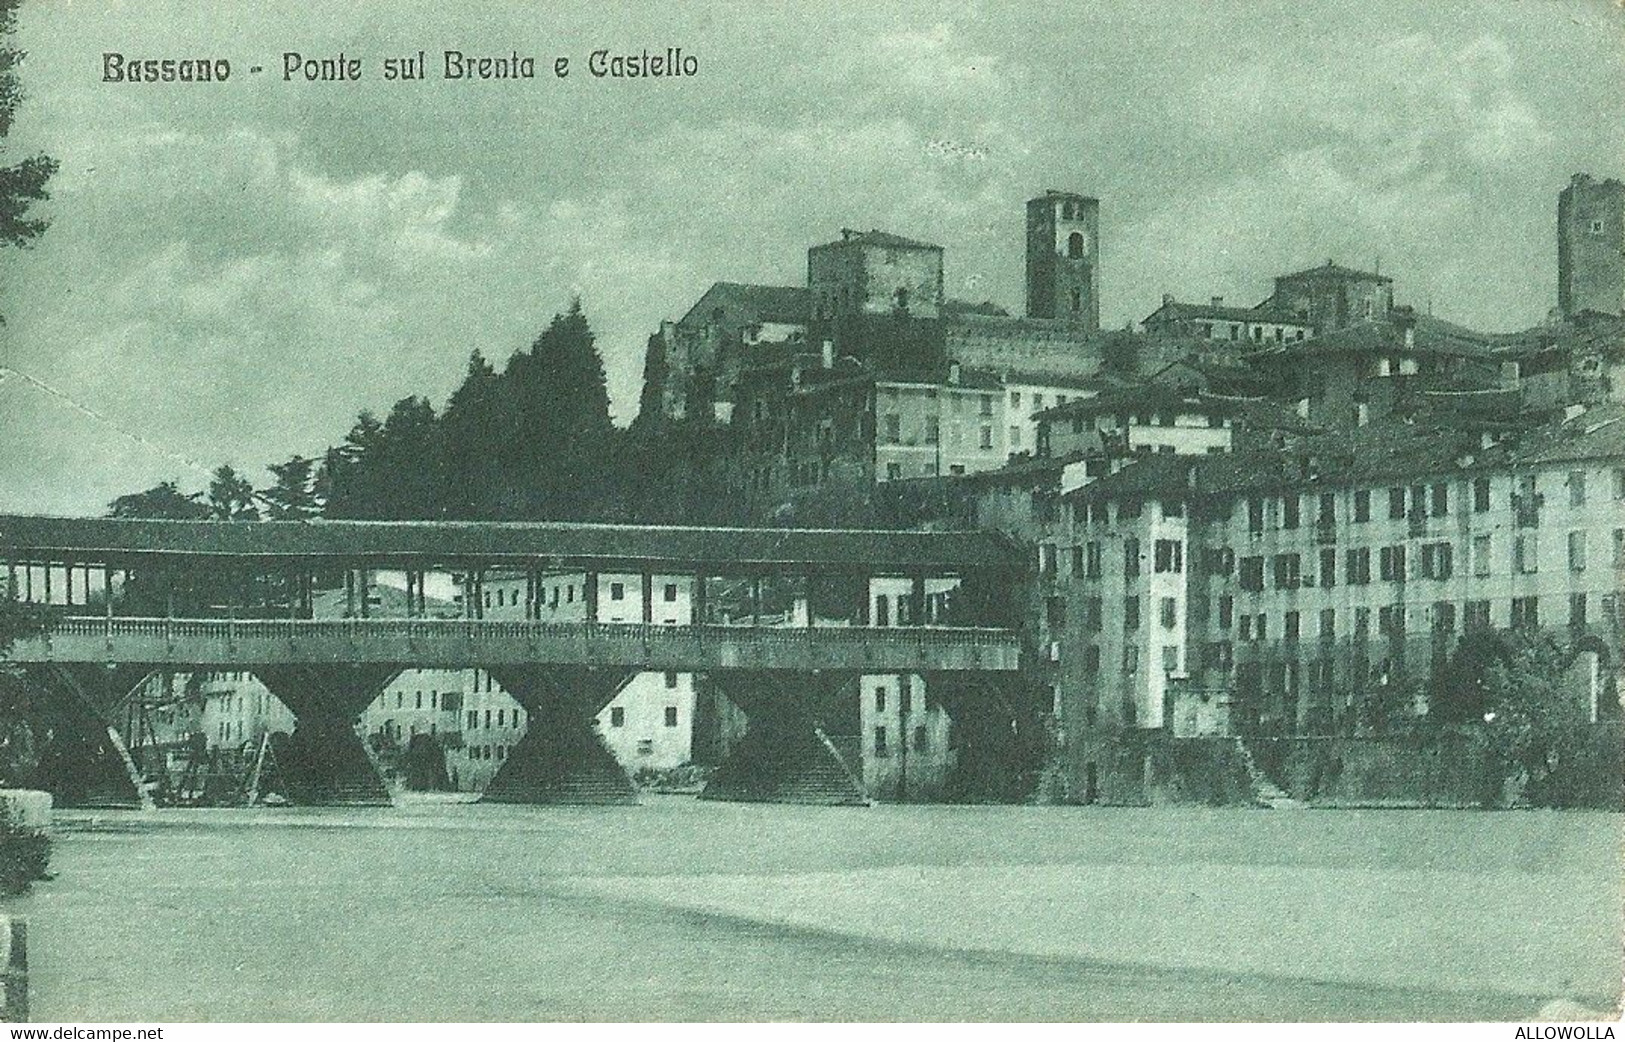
x=1063 y=258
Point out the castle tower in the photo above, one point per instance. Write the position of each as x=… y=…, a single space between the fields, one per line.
x=1591 y=246
x=1063 y=258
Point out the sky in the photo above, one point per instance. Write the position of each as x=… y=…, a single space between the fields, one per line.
x=234 y=270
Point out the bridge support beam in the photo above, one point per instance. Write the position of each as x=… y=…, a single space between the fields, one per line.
x=324 y=762
x=796 y=747
x=83 y=760
x=562 y=759
x=1000 y=742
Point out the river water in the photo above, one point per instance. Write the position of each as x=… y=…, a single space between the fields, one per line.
x=683 y=910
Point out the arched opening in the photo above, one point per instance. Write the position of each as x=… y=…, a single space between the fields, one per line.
x=1074 y=245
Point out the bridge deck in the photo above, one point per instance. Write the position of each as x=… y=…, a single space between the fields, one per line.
x=459 y=643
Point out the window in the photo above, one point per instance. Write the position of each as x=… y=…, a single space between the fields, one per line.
x=1391 y=563
x=1290 y=506
x=1328 y=625
x=1476 y=615
x=1255 y=515
x=1577 y=488
x=1170 y=658
x=1396 y=504
x=1327 y=517
x=617 y=716
x=1437 y=561
x=617 y=591
x=1288 y=572
x=1481 y=555
x=1227 y=611
x=1441 y=500
x=1619 y=482
x=1170 y=556
x=671 y=593
x=987 y=437
x=1577 y=551
x=1481 y=495
x=1252 y=574
x=502 y=717
x=922 y=740
x=671 y=716
x=1131 y=658
x=671 y=680
x=1391 y=620
x=1168 y=613
x=1619 y=548
x=1362 y=505
x=1525 y=613
x=1444 y=617
x=1091 y=658
x=1577 y=611
x=933 y=430
x=1328 y=568
x=894 y=429
x=473 y=720
x=1092 y=563
x=1525 y=554
x=1357 y=567
x=1131 y=614
x=1131 y=558
x=1093 y=617
x=1596 y=226
x=1218 y=561
x=1245 y=630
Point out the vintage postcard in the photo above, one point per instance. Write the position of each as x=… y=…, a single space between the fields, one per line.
x=892 y=512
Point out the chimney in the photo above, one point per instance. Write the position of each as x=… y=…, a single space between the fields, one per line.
x=1218 y=302
x=827 y=354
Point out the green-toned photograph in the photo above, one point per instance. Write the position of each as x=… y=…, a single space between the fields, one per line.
x=890 y=512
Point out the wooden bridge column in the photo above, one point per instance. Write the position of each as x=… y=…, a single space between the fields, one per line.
x=788 y=754
x=324 y=762
x=562 y=759
x=84 y=761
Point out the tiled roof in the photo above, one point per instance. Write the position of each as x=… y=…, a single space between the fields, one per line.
x=1174 y=309
x=445 y=543
x=875 y=237
x=1335 y=271
x=1387 y=336
x=787 y=304
x=1394 y=451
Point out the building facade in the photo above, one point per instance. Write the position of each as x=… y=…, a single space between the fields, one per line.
x=1591 y=246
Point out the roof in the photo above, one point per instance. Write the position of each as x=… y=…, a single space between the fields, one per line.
x=1387 y=336
x=876 y=237
x=1174 y=310
x=1331 y=270
x=445 y=543
x=1143 y=398
x=787 y=304
x=1368 y=455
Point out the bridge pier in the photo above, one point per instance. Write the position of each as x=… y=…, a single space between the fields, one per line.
x=84 y=761
x=562 y=759
x=789 y=753
x=324 y=762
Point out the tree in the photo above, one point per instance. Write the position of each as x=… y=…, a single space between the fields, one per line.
x=293 y=495
x=1536 y=725
x=163 y=500
x=22 y=183
x=472 y=441
x=231 y=496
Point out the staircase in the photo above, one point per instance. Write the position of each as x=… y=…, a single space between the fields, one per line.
x=1265 y=792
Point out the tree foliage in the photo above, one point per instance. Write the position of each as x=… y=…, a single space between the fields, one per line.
x=231 y=496
x=164 y=500
x=22 y=183
x=292 y=496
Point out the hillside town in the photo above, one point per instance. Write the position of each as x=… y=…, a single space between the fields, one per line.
x=1282 y=520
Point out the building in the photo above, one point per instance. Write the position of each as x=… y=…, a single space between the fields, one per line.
x=1063 y=259
x=1296 y=589
x=1332 y=297
x=1375 y=368
x=1591 y=247
x=1247 y=328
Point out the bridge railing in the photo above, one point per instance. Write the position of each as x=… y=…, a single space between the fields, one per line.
x=484 y=629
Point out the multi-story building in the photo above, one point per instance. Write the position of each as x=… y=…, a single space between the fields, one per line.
x=1332 y=297
x=1591 y=246
x=1294 y=588
x=1247 y=328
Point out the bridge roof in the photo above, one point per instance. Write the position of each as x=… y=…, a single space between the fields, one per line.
x=447 y=542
